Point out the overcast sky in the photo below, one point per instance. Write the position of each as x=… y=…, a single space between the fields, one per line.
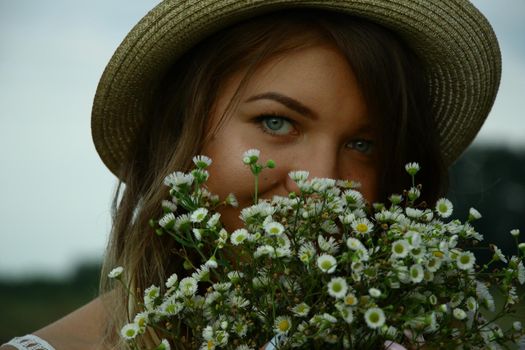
x=55 y=193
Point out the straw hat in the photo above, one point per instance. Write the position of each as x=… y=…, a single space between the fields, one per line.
x=454 y=40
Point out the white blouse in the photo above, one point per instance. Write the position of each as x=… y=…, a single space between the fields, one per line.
x=30 y=342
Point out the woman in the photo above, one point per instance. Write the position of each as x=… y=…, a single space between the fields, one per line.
x=344 y=89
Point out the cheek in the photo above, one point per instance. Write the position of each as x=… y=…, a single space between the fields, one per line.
x=369 y=180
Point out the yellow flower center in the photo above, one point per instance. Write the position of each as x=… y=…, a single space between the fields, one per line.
x=361 y=227
x=350 y=300
x=438 y=254
x=283 y=325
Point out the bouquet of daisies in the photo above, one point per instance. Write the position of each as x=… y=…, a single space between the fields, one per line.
x=323 y=269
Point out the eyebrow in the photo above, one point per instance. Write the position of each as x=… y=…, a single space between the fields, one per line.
x=286 y=101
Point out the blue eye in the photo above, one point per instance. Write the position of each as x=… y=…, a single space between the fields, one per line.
x=276 y=125
x=361 y=146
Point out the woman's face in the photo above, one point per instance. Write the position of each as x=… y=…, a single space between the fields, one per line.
x=305 y=111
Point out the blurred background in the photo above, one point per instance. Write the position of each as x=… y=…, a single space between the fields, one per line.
x=55 y=193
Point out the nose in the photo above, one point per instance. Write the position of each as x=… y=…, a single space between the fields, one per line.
x=319 y=160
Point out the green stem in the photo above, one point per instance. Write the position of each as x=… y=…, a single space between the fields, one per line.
x=255 y=196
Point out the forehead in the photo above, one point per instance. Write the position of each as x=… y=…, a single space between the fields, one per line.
x=318 y=75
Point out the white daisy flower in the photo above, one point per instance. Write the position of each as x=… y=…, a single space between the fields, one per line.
x=521 y=273
x=512 y=297
x=282 y=324
x=169 y=205
x=213 y=220
x=348 y=314
x=362 y=226
x=283 y=252
x=262 y=209
x=207 y=333
x=353 y=198
x=418 y=253
x=337 y=287
x=515 y=232
x=465 y=260
x=298 y=175
x=239 y=236
x=301 y=309
x=416 y=273
x=375 y=317
x=374 y=292
x=498 y=255
x=412 y=168
x=170 y=282
x=350 y=299
x=251 y=156
x=472 y=304
x=395 y=199
x=221 y=337
x=167 y=221
x=283 y=241
x=443 y=308
x=322 y=184
x=354 y=244
x=330 y=227
x=413 y=193
x=182 y=222
x=241 y=328
x=444 y=207
x=197 y=233
x=141 y=320
x=327 y=245
x=414 y=213
x=484 y=296
x=347 y=219
x=473 y=214
x=274 y=228
x=202 y=162
x=222 y=287
x=357 y=266
x=178 y=179
x=150 y=295
x=306 y=252
x=116 y=272
x=400 y=248
x=235 y=276
x=433 y=264
x=264 y=250
x=414 y=238
x=130 y=331
x=199 y=215
x=459 y=314
x=327 y=317
x=326 y=263
x=211 y=263
x=188 y=286
x=201 y=273
x=238 y=301
x=200 y=175
x=231 y=200
x=517 y=326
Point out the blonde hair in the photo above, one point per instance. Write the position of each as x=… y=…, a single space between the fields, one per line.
x=175 y=131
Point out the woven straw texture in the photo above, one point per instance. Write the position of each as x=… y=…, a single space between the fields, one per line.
x=456 y=43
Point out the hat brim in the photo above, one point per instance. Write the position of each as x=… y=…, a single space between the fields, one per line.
x=455 y=42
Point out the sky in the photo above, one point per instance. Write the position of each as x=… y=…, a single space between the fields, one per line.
x=55 y=193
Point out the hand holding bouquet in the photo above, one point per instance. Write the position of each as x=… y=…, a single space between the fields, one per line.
x=322 y=269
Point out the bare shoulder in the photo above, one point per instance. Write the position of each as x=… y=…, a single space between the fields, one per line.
x=81 y=329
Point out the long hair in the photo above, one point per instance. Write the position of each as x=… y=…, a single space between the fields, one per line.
x=389 y=74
